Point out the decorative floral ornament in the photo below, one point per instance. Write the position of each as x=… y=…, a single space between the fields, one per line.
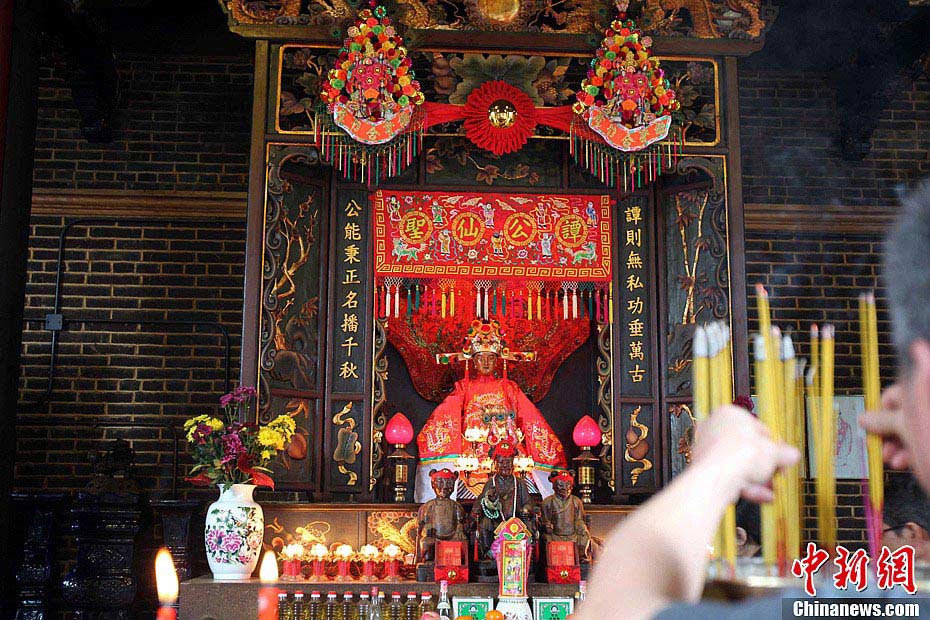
x=499 y=117
x=370 y=126
x=625 y=106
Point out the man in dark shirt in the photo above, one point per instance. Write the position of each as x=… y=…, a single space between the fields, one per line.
x=906 y=517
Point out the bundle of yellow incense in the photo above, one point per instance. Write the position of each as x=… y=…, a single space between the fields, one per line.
x=765 y=408
x=792 y=511
x=825 y=442
x=871 y=388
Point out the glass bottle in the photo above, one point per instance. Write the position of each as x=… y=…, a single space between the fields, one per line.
x=314 y=610
x=299 y=608
x=329 y=608
x=411 y=607
x=443 y=606
x=395 y=608
x=285 y=608
x=375 y=610
x=364 y=606
x=348 y=607
x=426 y=603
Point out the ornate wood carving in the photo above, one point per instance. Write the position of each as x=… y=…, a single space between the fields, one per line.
x=378 y=399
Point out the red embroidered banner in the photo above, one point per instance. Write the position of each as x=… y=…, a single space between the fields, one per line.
x=553 y=237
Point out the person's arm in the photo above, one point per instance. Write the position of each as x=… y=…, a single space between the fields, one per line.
x=658 y=554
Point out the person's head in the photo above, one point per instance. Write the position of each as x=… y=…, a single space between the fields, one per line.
x=906 y=517
x=443 y=482
x=486 y=363
x=562 y=483
x=748 y=529
x=907 y=278
x=503 y=458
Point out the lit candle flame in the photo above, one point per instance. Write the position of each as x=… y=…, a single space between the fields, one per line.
x=166 y=578
x=344 y=551
x=268 y=571
x=318 y=551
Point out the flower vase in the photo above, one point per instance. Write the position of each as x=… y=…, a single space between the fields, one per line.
x=233 y=534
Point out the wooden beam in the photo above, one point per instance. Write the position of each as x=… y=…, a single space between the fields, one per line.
x=819 y=218
x=139 y=203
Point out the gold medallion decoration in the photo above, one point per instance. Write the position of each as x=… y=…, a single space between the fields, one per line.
x=571 y=230
x=468 y=229
x=502 y=113
x=519 y=229
x=415 y=227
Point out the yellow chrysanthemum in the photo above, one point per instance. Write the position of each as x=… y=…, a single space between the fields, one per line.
x=270 y=438
x=267 y=454
x=214 y=423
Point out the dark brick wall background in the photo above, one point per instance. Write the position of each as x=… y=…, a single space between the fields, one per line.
x=182 y=124
x=139 y=374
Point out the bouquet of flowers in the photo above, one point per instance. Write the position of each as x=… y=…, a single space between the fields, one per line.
x=228 y=451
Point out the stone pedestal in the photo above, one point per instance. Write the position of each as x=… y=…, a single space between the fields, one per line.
x=101 y=585
x=36 y=518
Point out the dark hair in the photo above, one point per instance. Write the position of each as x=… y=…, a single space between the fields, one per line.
x=747 y=517
x=905 y=502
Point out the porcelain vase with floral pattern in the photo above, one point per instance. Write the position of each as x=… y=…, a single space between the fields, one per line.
x=233 y=533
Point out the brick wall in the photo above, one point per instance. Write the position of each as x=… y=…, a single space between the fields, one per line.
x=182 y=123
x=789 y=135
x=137 y=373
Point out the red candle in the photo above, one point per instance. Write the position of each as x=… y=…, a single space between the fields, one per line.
x=167 y=613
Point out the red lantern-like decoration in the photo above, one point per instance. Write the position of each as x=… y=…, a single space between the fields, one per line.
x=586 y=435
x=399 y=432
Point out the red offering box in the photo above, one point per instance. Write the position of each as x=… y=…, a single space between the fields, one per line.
x=451 y=561
x=561 y=563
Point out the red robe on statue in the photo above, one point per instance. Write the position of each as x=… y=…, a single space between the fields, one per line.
x=486 y=402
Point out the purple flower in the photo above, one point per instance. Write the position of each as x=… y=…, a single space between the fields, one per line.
x=232 y=543
x=232 y=447
x=245 y=557
x=201 y=433
x=240 y=395
x=215 y=539
x=226 y=400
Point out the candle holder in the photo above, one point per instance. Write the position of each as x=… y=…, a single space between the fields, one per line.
x=343 y=555
x=368 y=555
x=586 y=435
x=392 y=563
x=399 y=432
x=318 y=555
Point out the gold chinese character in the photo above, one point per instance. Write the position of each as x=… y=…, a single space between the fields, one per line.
x=353 y=232
x=637 y=374
x=352 y=209
x=635 y=328
x=349 y=322
x=634 y=261
x=633 y=283
x=633 y=214
x=635 y=305
x=636 y=350
x=351 y=301
x=348 y=370
x=347 y=344
x=351 y=277
x=352 y=253
x=634 y=237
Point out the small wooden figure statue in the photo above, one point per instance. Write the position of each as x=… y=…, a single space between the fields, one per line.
x=505 y=496
x=439 y=519
x=563 y=518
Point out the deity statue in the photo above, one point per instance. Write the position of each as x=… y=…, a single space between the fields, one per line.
x=441 y=518
x=563 y=517
x=481 y=412
x=506 y=495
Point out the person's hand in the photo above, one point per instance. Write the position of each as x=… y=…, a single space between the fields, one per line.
x=739 y=446
x=889 y=425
